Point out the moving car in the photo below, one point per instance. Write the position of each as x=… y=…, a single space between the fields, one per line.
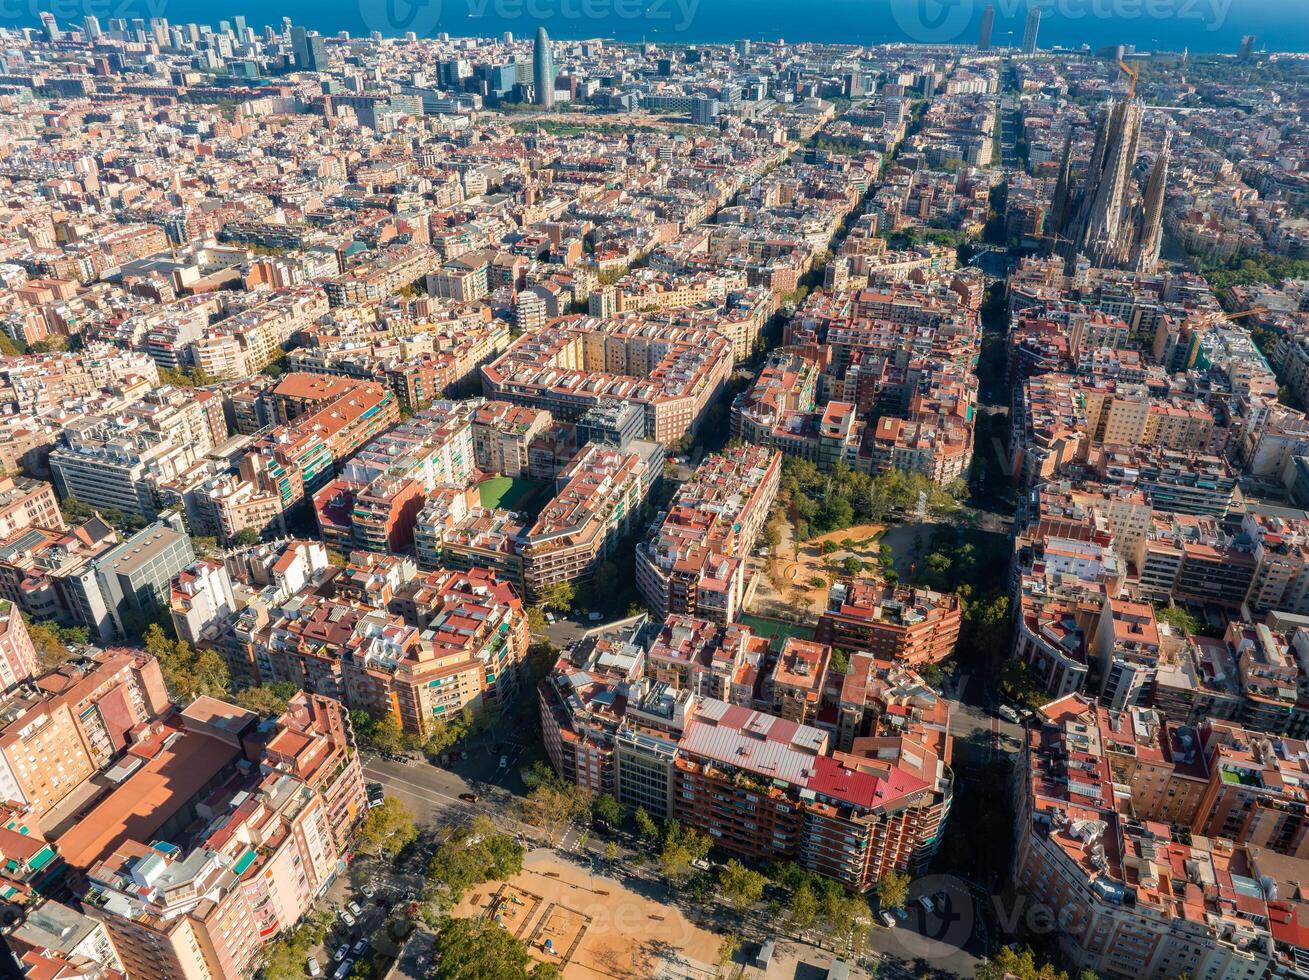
x=504 y=762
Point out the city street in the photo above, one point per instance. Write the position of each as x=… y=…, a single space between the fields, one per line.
x=434 y=792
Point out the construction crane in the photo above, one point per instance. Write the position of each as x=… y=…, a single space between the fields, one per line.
x=1130 y=72
x=1238 y=315
x=1057 y=238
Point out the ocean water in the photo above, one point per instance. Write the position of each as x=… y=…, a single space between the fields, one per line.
x=1200 y=25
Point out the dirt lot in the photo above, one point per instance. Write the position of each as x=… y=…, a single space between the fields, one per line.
x=596 y=925
x=786 y=582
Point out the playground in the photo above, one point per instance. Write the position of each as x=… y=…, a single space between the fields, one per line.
x=592 y=925
x=513 y=908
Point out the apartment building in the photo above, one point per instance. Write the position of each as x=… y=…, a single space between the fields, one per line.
x=621 y=714
x=878 y=696
x=247 y=826
x=915 y=626
x=795 y=685
x=769 y=789
x=201 y=601
x=27 y=503
x=63 y=941
x=18 y=659
x=315 y=744
x=458 y=643
x=115 y=463
x=601 y=494
x=66 y=725
x=376 y=500
x=419 y=648
x=1281 y=557
x=1130 y=898
x=672 y=372
x=708 y=659
x=301 y=452
x=480 y=538
x=43 y=753
x=502 y=433
x=175 y=915
x=694 y=563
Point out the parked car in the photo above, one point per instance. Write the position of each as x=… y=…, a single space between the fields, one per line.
x=341 y=953
x=369 y=891
x=343 y=970
x=927 y=905
x=1009 y=714
x=348 y=918
x=504 y=762
x=361 y=948
x=594 y=617
x=354 y=909
x=888 y=920
x=469 y=797
x=311 y=964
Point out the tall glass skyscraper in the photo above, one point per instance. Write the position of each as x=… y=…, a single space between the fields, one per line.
x=543 y=70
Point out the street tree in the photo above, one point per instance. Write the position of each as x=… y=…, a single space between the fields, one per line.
x=741 y=886
x=388 y=829
x=682 y=848
x=474 y=949
x=606 y=810
x=804 y=907
x=645 y=825
x=893 y=890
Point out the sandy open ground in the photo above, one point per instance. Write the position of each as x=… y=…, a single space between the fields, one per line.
x=788 y=580
x=596 y=925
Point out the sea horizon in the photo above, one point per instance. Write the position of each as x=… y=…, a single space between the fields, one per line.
x=1200 y=26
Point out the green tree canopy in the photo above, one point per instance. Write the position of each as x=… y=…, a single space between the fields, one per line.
x=741 y=886
x=473 y=949
x=893 y=890
x=472 y=855
x=188 y=673
x=266 y=700
x=388 y=829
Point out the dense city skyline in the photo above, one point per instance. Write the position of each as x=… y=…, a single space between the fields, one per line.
x=529 y=507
